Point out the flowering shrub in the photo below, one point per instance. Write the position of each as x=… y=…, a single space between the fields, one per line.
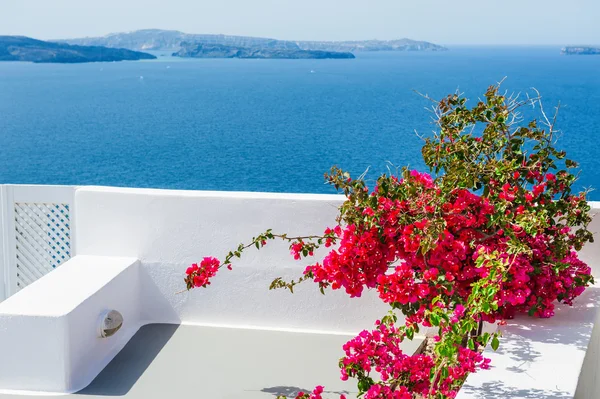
x=488 y=233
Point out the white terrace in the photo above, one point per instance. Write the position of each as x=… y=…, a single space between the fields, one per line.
x=127 y=249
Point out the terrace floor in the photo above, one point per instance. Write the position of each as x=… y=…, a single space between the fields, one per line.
x=184 y=361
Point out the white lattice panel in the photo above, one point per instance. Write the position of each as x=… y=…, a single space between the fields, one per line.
x=43 y=239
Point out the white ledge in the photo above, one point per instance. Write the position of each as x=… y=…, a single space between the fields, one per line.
x=60 y=292
x=214 y=194
x=539 y=358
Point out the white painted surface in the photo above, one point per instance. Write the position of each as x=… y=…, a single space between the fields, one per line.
x=4 y=256
x=49 y=330
x=591 y=252
x=588 y=386
x=79 y=279
x=222 y=363
x=168 y=230
x=539 y=358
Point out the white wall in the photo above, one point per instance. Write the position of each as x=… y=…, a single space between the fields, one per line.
x=591 y=252
x=88 y=353
x=169 y=230
x=588 y=386
x=4 y=256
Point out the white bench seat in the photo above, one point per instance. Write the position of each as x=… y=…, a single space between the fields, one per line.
x=49 y=331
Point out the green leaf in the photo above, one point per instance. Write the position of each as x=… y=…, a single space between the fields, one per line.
x=495 y=343
x=471 y=344
x=570 y=164
x=485 y=338
x=365 y=383
x=444 y=373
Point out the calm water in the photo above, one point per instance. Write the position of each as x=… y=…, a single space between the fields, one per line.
x=263 y=125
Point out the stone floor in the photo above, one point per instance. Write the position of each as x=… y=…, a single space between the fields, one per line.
x=171 y=361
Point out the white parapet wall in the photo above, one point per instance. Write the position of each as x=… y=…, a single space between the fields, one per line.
x=169 y=230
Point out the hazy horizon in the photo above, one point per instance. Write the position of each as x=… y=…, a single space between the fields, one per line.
x=475 y=23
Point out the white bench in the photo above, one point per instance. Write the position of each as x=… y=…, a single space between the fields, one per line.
x=49 y=331
x=554 y=358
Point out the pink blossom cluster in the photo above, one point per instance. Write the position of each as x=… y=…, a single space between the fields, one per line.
x=449 y=266
x=402 y=375
x=315 y=394
x=200 y=275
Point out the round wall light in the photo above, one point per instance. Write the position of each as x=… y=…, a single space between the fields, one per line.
x=110 y=322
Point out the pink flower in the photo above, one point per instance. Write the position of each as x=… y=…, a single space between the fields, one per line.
x=458 y=313
x=368 y=212
x=199 y=276
x=296 y=249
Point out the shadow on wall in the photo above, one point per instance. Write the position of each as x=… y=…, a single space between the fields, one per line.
x=127 y=367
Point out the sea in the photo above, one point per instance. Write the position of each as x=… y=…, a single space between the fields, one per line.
x=267 y=125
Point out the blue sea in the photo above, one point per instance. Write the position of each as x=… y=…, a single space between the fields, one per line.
x=265 y=125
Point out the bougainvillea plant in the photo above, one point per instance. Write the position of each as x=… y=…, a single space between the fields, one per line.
x=492 y=230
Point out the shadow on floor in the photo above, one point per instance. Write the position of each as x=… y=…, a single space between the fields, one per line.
x=121 y=374
x=497 y=389
x=291 y=392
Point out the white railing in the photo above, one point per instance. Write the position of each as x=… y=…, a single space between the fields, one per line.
x=36 y=233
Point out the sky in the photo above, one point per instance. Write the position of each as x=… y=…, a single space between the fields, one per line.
x=475 y=22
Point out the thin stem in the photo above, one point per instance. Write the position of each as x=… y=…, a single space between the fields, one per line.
x=435 y=377
x=270 y=236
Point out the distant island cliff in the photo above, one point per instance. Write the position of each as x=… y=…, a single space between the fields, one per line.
x=20 y=48
x=170 y=40
x=130 y=46
x=580 y=50
x=372 y=45
x=208 y=50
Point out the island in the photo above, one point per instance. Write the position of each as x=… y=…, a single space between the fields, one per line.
x=21 y=48
x=172 y=40
x=372 y=45
x=575 y=50
x=208 y=50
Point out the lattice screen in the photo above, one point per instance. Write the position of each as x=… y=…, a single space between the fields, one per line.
x=43 y=238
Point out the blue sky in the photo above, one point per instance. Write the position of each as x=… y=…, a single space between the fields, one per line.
x=446 y=22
